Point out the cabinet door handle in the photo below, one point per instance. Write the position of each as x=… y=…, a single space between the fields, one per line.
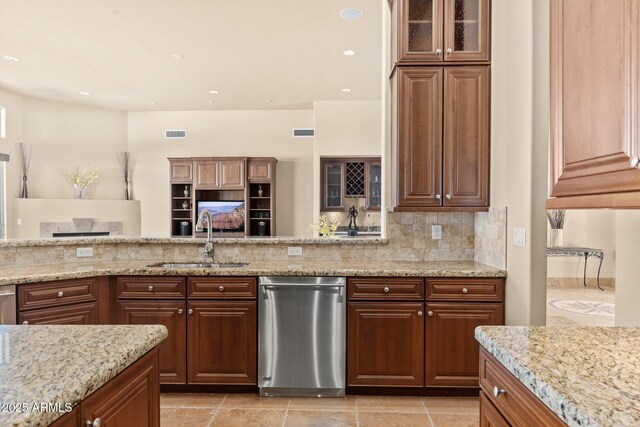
x=95 y=423
x=419 y=314
x=60 y=294
x=150 y=288
x=498 y=391
x=180 y=311
x=438 y=51
x=190 y=311
x=465 y=290
x=221 y=288
x=386 y=290
x=448 y=196
x=26 y=322
x=430 y=313
x=450 y=50
x=634 y=162
x=438 y=197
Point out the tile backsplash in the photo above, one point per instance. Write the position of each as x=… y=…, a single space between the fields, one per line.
x=491 y=237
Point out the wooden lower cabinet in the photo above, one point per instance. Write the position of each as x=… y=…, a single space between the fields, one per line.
x=489 y=415
x=76 y=314
x=385 y=344
x=132 y=398
x=173 y=350
x=452 y=352
x=222 y=342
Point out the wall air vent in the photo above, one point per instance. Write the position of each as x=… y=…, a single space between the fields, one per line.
x=303 y=133
x=175 y=134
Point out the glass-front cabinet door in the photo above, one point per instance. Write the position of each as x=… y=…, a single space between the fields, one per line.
x=420 y=30
x=333 y=186
x=374 y=186
x=466 y=30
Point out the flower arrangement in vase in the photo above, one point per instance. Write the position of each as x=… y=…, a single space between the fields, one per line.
x=325 y=227
x=81 y=179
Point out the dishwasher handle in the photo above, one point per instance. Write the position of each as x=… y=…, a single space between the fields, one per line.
x=339 y=288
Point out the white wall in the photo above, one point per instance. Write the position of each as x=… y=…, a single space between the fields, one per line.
x=346 y=128
x=223 y=133
x=519 y=136
x=62 y=136
x=627 y=277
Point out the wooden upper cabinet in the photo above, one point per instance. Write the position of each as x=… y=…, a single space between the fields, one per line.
x=594 y=104
x=206 y=174
x=226 y=174
x=261 y=170
x=181 y=171
x=466 y=136
x=442 y=30
x=232 y=174
x=420 y=136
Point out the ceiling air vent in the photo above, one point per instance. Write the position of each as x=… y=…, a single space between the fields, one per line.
x=303 y=133
x=175 y=134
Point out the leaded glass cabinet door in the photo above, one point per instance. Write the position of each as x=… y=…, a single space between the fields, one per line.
x=420 y=30
x=466 y=30
x=333 y=188
x=374 y=186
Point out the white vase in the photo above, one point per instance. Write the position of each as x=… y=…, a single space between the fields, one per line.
x=555 y=240
x=79 y=191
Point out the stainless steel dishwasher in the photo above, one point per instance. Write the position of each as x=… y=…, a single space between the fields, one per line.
x=302 y=336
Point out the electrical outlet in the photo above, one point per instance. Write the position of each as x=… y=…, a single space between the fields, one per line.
x=519 y=237
x=294 y=251
x=436 y=232
x=84 y=252
x=18 y=221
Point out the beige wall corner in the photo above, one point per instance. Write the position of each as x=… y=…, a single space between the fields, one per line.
x=627 y=281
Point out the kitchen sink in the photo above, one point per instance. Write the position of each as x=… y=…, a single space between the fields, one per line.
x=199 y=265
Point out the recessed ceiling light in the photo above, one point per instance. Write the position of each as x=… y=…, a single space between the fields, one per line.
x=351 y=13
x=214 y=92
x=346 y=90
x=154 y=103
x=210 y=102
x=349 y=52
x=177 y=56
x=268 y=101
x=11 y=58
x=85 y=93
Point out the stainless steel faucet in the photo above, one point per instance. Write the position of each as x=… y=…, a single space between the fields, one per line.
x=208 y=246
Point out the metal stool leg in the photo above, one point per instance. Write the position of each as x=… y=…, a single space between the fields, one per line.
x=584 y=276
x=598 y=276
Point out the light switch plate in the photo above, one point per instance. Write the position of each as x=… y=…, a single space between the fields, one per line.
x=436 y=232
x=84 y=252
x=294 y=251
x=519 y=237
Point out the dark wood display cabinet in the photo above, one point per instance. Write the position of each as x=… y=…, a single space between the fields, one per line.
x=441 y=30
x=236 y=179
x=345 y=177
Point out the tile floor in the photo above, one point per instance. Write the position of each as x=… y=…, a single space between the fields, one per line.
x=178 y=410
x=556 y=317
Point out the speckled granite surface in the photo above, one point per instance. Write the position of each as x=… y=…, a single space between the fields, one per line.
x=43 y=273
x=588 y=376
x=191 y=240
x=64 y=364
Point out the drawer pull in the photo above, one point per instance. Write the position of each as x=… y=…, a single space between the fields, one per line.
x=180 y=311
x=60 y=294
x=465 y=290
x=386 y=290
x=430 y=313
x=26 y=322
x=150 y=288
x=498 y=391
x=419 y=314
x=221 y=288
x=190 y=311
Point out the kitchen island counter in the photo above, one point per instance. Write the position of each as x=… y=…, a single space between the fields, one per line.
x=61 y=365
x=587 y=376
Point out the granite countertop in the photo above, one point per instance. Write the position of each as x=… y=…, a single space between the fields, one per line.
x=64 y=364
x=48 y=272
x=283 y=240
x=588 y=376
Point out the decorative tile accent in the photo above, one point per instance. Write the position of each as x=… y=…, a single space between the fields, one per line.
x=80 y=225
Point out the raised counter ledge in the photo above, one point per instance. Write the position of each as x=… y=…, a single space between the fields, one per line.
x=48 y=272
x=65 y=364
x=588 y=376
x=68 y=241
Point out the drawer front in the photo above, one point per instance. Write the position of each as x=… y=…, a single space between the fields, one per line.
x=385 y=289
x=76 y=314
x=490 y=290
x=221 y=287
x=517 y=404
x=54 y=294
x=143 y=287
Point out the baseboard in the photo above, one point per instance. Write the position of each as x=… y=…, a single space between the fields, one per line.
x=575 y=282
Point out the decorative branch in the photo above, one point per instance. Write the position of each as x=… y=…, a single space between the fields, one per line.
x=124 y=157
x=24 y=154
x=556 y=218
